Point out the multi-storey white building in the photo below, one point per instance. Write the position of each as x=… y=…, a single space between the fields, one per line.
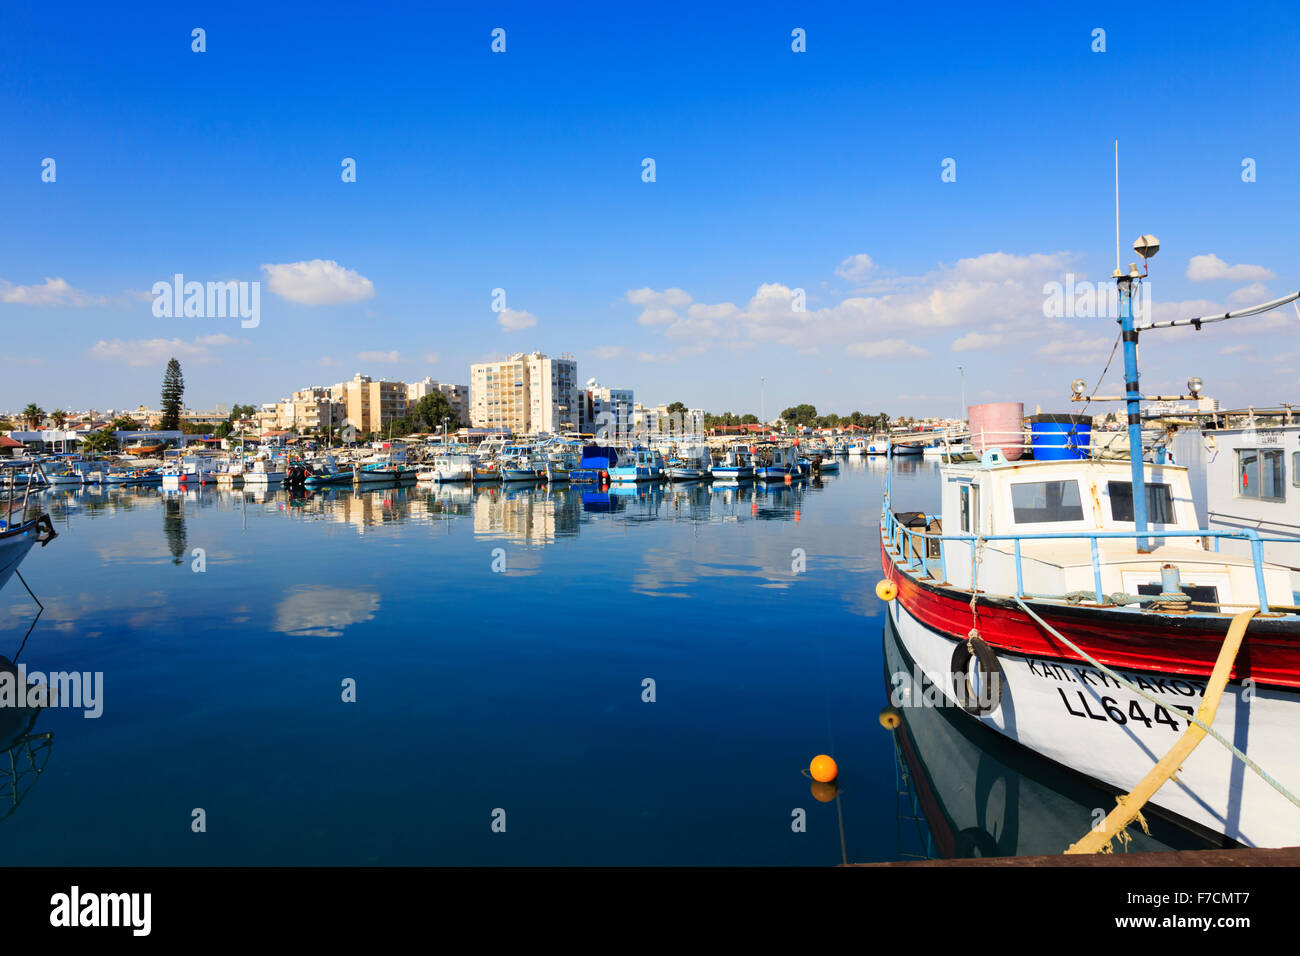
x=526 y=393
x=608 y=411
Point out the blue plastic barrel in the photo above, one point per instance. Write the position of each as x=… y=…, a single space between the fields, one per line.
x=1060 y=437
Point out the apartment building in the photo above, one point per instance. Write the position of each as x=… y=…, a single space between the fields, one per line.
x=526 y=393
x=457 y=396
x=369 y=405
x=605 y=411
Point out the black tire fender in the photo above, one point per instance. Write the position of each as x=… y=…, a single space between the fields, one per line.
x=991 y=674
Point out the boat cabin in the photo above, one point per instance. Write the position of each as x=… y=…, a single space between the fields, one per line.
x=1058 y=528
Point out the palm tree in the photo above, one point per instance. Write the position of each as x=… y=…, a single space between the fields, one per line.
x=60 y=417
x=100 y=441
x=33 y=415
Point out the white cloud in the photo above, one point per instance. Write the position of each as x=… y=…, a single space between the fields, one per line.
x=855 y=267
x=318 y=282
x=977 y=340
x=512 y=320
x=50 y=292
x=1236 y=349
x=608 y=351
x=996 y=292
x=329 y=362
x=1252 y=294
x=432 y=358
x=393 y=356
x=145 y=352
x=886 y=348
x=1210 y=266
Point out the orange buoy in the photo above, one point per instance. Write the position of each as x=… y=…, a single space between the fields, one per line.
x=824 y=792
x=796 y=514
x=823 y=769
x=890 y=718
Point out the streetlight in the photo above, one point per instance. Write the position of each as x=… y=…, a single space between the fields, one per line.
x=962 y=416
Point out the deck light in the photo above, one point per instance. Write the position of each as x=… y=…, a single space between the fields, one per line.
x=1078 y=386
x=1194 y=385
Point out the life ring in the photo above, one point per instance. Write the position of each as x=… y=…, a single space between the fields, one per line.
x=991 y=677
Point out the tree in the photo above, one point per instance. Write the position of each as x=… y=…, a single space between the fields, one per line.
x=677 y=408
x=429 y=412
x=125 y=423
x=223 y=429
x=748 y=420
x=800 y=415
x=99 y=442
x=173 y=391
x=33 y=415
x=60 y=417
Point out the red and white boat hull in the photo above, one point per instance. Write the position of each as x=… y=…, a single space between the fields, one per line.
x=1067 y=710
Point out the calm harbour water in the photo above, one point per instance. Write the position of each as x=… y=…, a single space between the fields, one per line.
x=479 y=689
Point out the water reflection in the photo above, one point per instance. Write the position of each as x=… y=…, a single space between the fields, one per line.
x=964 y=791
x=24 y=753
x=323 y=611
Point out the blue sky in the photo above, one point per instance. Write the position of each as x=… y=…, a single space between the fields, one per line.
x=522 y=170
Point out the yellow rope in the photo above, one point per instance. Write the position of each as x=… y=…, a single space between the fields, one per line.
x=1128 y=807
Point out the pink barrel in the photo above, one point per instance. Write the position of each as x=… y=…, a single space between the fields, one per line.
x=998 y=425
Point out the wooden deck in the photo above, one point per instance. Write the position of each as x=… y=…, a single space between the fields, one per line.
x=1285 y=856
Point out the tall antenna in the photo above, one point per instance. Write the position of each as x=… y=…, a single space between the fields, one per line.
x=1117 y=206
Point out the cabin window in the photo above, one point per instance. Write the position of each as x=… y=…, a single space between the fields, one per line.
x=970 y=509
x=1160 y=501
x=1260 y=473
x=1040 y=502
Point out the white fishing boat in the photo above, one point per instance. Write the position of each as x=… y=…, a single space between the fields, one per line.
x=449 y=467
x=689 y=463
x=737 y=464
x=18 y=532
x=1076 y=606
x=263 y=473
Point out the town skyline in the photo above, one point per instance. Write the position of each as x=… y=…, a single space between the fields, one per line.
x=734 y=222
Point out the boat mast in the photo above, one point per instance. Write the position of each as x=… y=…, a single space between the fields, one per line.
x=1132 y=395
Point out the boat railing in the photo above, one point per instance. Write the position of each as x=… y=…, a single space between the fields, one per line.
x=913 y=547
x=8 y=483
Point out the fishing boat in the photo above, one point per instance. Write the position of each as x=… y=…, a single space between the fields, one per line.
x=65 y=478
x=1075 y=605
x=737 y=464
x=263 y=473
x=594 y=463
x=776 y=463
x=522 y=463
x=188 y=472
x=326 y=471
x=382 y=472
x=561 y=465
x=143 y=448
x=690 y=463
x=636 y=465
x=18 y=533
x=449 y=467
x=981 y=795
